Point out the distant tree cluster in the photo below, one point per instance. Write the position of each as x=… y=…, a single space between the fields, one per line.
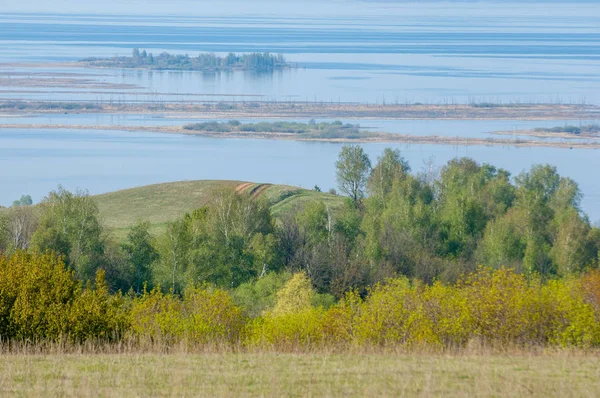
x=586 y=128
x=203 y=62
x=311 y=129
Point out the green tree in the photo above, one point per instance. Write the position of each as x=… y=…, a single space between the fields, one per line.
x=504 y=241
x=353 y=167
x=17 y=226
x=24 y=201
x=469 y=195
x=390 y=166
x=314 y=221
x=572 y=251
x=69 y=226
x=227 y=243
x=140 y=254
x=175 y=269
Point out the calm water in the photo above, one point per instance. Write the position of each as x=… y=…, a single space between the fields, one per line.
x=445 y=128
x=349 y=51
x=35 y=162
x=433 y=52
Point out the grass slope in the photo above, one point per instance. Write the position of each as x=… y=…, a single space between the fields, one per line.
x=299 y=375
x=162 y=203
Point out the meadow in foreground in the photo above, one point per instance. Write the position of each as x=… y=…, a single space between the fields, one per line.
x=565 y=374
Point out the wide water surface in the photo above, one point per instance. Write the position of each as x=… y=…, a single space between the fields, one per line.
x=444 y=128
x=36 y=161
x=348 y=51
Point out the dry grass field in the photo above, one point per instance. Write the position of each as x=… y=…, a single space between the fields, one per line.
x=560 y=374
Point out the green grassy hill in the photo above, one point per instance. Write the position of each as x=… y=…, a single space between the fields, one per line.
x=162 y=203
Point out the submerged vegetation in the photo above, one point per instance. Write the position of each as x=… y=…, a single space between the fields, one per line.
x=436 y=259
x=203 y=62
x=311 y=129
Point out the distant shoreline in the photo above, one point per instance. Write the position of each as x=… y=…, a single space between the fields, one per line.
x=307 y=110
x=369 y=138
x=540 y=134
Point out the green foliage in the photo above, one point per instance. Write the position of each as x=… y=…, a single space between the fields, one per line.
x=469 y=195
x=431 y=232
x=227 y=243
x=314 y=221
x=17 y=226
x=353 y=167
x=201 y=316
x=140 y=254
x=36 y=292
x=309 y=130
x=40 y=299
x=204 y=61
x=288 y=331
x=295 y=296
x=69 y=226
x=98 y=314
x=260 y=296
x=586 y=128
x=25 y=200
x=391 y=166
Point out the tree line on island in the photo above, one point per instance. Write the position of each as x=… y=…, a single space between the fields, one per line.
x=434 y=241
x=203 y=62
x=312 y=129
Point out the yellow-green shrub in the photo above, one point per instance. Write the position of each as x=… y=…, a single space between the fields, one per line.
x=287 y=331
x=500 y=303
x=157 y=317
x=340 y=319
x=97 y=313
x=41 y=300
x=394 y=314
x=571 y=321
x=211 y=316
x=450 y=317
x=591 y=290
x=295 y=296
x=202 y=316
x=292 y=323
x=36 y=292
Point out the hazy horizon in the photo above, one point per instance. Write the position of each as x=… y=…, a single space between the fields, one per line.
x=223 y=7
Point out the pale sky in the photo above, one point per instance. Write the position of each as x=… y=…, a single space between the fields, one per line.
x=171 y=7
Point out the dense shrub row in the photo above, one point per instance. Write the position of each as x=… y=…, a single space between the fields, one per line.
x=41 y=300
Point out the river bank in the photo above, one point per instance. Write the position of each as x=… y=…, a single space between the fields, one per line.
x=367 y=137
x=249 y=109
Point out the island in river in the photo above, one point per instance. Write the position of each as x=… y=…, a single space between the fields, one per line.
x=205 y=62
x=319 y=132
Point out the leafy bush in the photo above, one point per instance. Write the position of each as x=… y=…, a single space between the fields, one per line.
x=37 y=292
x=202 y=316
x=288 y=330
x=41 y=300
x=96 y=313
x=261 y=295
